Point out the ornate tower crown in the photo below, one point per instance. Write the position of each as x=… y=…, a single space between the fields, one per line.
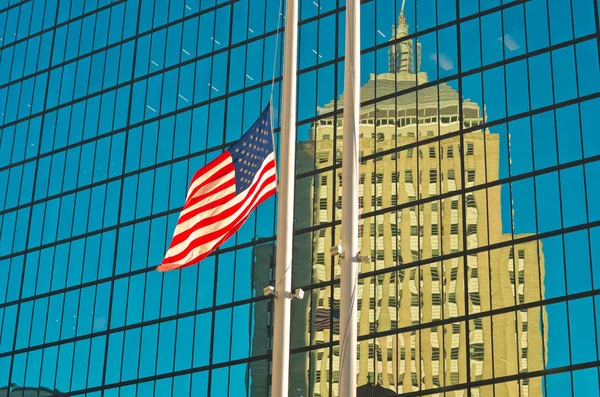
x=401 y=54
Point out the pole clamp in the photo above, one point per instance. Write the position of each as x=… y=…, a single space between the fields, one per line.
x=297 y=294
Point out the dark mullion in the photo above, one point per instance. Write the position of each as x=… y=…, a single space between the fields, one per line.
x=21 y=88
x=306 y=121
x=166 y=240
x=80 y=292
x=62 y=317
x=248 y=360
x=133 y=229
x=597 y=15
x=8 y=180
x=212 y=330
x=491 y=124
x=53 y=250
x=487 y=201
x=116 y=44
x=191 y=16
x=243 y=43
x=56 y=27
x=168 y=201
x=216 y=266
x=279 y=49
x=19 y=196
x=225 y=111
x=251 y=306
x=446 y=79
x=373 y=222
x=149 y=75
x=328 y=377
x=155 y=378
x=213 y=309
x=94 y=312
x=537 y=228
x=481 y=315
x=58 y=217
x=560 y=200
x=515 y=251
x=447 y=389
x=465 y=255
x=509 y=168
x=114 y=268
x=87 y=226
x=187 y=177
x=13 y=54
x=15 y=5
x=251 y=311
x=401 y=206
x=128 y=274
x=419 y=184
x=2 y=54
x=395 y=259
x=440 y=219
x=585 y=189
x=486 y=180
x=309 y=229
x=105 y=196
x=232 y=316
x=28 y=232
x=433 y=139
x=194 y=330
x=142 y=324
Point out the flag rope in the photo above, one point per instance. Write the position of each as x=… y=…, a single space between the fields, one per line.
x=277 y=34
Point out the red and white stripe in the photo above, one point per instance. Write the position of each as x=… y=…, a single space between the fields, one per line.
x=323 y=320
x=213 y=212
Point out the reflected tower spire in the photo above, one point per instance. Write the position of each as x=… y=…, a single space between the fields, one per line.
x=401 y=54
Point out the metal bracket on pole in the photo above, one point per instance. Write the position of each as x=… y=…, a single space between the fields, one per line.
x=297 y=294
x=269 y=290
x=336 y=250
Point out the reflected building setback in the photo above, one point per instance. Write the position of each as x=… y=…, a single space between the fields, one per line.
x=449 y=217
x=24 y=391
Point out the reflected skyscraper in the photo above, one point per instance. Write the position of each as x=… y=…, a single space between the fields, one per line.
x=449 y=219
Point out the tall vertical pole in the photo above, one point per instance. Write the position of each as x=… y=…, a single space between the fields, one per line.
x=285 y=218
x=349 y=235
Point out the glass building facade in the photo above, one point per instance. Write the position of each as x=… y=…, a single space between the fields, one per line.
x=480 y=161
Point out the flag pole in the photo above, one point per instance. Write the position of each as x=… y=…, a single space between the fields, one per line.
x=285 y=209
x=349 y=232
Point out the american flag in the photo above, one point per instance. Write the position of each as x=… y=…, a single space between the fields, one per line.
x=222 y=195
x=323 y=319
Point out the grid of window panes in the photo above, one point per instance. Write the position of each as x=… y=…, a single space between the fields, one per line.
x=480 y=161
x=107 y=109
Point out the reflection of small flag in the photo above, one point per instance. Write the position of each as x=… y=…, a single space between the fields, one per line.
x=323 y=319
x=223 y=194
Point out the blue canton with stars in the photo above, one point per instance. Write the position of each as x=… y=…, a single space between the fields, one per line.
x=251 y=150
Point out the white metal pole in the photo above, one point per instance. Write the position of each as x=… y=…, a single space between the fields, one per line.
x=349 y=234
x=285 y=218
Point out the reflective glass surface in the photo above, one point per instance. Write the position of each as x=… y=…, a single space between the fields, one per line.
x=480 y=161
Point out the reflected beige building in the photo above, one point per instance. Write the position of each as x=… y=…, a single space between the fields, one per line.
x=448 y=222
